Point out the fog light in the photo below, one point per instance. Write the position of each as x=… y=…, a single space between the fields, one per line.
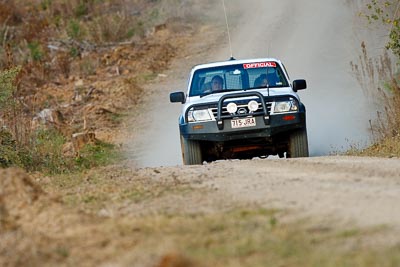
x=252 y=105
x=232 y=108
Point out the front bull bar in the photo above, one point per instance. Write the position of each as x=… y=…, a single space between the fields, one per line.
x=220 y=117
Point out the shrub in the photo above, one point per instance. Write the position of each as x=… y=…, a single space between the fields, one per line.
x=115 y=28
x=388 y=124
x=36 y=51
x=379 y=79
x=8 y=151
x=44 y=152
x=40 y=150
x=81 y=9
x=10 y=105
x=7 y=88
x=75 y=30
x=10 y=110
x=387 y=12
x=100 y=153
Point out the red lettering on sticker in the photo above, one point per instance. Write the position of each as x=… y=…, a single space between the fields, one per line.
x=270 y=64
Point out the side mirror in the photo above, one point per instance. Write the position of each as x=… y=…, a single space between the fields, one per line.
x=299 y=85
x=177 y=97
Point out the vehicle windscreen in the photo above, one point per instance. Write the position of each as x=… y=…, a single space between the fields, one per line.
x=237 y=77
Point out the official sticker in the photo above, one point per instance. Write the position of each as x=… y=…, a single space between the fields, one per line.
x=269 y=64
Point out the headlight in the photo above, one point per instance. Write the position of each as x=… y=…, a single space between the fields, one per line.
x=252 y=105
x=282 y=107
x=285 y=106
x=199 y=115
x=231 y=107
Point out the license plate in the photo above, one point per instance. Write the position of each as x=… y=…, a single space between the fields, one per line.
x=242 y=123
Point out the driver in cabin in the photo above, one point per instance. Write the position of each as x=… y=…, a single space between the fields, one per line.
x=216 y=83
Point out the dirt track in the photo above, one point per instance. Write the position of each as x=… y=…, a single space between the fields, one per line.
x=357 y=191
x=365 y=191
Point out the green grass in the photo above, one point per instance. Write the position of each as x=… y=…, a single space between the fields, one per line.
x=44 y=153
x=98 y=154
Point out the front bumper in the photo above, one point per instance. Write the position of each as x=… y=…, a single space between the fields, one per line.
x=277 y=124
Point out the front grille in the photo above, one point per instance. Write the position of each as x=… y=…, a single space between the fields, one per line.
x=241 y=108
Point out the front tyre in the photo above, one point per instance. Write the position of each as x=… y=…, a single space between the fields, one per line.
x=191 y=152
x=298 y=144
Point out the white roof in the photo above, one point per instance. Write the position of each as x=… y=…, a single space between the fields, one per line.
x=234 y=62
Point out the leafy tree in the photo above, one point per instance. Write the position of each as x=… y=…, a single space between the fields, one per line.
x=388 y=13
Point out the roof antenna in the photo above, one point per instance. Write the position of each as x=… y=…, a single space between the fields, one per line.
x=227 y=27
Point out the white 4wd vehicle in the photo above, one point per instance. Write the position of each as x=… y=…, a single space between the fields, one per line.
x=241 y=109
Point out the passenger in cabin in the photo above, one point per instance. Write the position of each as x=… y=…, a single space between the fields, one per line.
x=261 y=81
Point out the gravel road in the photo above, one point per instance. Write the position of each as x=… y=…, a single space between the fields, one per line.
x=365 y=191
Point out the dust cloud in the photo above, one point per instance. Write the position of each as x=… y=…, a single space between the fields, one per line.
x=316 y=40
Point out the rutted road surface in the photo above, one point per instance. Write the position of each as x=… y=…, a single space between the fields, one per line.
x=365 y=191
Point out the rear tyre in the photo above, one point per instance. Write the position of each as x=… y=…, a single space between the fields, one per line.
x=298 y=144
x=191 y=152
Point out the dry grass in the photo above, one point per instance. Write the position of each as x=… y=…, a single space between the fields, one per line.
x=380 y=82
x=45 y=36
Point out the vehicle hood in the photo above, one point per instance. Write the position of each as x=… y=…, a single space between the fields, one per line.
x=212 y=98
